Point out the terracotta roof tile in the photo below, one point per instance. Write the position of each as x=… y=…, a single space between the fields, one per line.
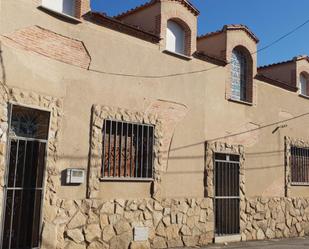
x=231 y=27
x=186 y=3
x=296 y=58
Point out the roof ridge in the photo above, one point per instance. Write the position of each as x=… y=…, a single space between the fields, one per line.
x=231 y=27
x=137 y=8
x=294 y=59
x=188 y=4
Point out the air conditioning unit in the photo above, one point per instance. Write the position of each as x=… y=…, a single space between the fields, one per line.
x=75 y=176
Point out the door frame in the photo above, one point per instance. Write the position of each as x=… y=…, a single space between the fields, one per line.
x=10 y=105
x=223 y=147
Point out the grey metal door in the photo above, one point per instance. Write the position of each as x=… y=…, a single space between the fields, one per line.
x=23 y=190
x=226 y=176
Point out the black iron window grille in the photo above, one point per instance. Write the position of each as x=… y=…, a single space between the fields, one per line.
x=299 y=165
x=127 y=151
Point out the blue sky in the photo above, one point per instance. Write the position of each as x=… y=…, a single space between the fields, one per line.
x=268 y=19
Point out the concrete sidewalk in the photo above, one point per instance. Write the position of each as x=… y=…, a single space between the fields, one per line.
x=297 y=243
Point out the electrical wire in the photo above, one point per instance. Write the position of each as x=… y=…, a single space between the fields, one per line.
x=202 y=70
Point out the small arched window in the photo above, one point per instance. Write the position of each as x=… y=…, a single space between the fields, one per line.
x=175 y=37
x=241 y=83
x=303 y=84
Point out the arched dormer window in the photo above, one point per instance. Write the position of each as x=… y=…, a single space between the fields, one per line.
x=175 y=37
x=304 y=84
x=241 y=75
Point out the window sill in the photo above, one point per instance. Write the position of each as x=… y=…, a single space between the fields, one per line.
x=60 y=14
x=181 y=56
x=126 y=179
x=240 y=101
x=303 y=96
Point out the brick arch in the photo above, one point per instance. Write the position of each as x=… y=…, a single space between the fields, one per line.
x=249 y=71
x=187 y=30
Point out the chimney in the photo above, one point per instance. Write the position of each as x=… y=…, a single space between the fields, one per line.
x=81 y=8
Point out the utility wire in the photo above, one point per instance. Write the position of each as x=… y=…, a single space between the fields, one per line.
x=302 y=115
x=202 y=70
x=282 y=37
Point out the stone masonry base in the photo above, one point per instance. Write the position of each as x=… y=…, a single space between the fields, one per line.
x=93 y=224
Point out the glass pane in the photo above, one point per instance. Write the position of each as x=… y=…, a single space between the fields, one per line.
x=28 y=122
x=12 y=163
x=239 y=75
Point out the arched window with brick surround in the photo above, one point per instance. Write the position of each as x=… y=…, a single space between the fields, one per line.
x=178 y=37
x=304 y=84
x=241 y=75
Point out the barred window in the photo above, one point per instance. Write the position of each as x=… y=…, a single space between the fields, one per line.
x=300 y=165
x=127 y=151
x=239 y=75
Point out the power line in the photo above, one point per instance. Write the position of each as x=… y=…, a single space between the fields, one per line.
x=243 y=132
x=282 y=37
x=202 y=70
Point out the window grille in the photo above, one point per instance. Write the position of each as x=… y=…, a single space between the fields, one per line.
x=299 y=165
x=227 y=194
x=239 y=75
x=127 y=151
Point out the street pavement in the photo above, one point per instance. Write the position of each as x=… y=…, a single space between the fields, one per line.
x=298 y=243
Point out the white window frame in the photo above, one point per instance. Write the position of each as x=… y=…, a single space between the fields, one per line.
x=303 y=84
x=175 y=38
x=66 y=7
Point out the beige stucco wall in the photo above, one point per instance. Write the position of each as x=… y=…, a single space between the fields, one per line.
x=145 y=19
x=283 y=72
x=213 y=45
x=210 y=115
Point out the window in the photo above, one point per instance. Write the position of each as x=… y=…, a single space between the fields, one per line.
x=239 y=76
x=299 y=165
x=127 y=150
x=62 y=6
x=175 y=38
x=303 y=84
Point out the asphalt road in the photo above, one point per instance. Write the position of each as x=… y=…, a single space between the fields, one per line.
x=299 y=243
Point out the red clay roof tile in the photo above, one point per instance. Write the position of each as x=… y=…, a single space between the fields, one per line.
x=231 y=27
x=186 y=3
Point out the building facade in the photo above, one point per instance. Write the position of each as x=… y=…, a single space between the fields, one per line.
x=132 y=132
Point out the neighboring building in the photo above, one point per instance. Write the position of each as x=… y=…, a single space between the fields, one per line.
x=175 y=140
